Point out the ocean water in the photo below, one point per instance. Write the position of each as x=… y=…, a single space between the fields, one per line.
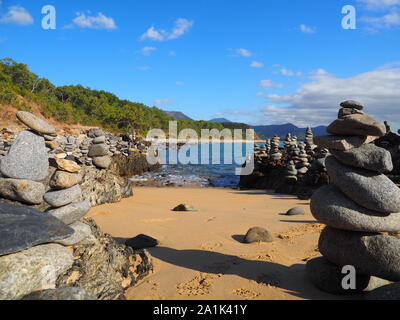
x=215 y=165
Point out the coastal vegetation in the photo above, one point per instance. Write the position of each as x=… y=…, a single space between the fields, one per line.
x=73 y=104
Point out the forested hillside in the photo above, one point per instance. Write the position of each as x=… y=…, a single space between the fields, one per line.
x=20 y=88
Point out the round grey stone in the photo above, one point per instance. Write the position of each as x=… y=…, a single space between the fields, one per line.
x=22 y=228
x=368 y=189
x=59 y=198
x=72 y=212
x=328 y=277
x=35 y=123
x=102 y=162
x=369 y=253
x=64 y=294
x=98 y=150
x=25 y=191
x=258 y=234
x=296 y=212
x=27 y=158
x=331 y=207
x=369 y=157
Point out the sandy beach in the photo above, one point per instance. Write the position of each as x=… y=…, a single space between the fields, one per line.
x=201 y=255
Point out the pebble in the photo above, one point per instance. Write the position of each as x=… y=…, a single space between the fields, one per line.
x=258 y=234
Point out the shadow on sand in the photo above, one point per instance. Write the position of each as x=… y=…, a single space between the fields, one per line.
x=290 y=278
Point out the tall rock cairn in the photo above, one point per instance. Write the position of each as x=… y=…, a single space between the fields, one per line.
x=358 y=207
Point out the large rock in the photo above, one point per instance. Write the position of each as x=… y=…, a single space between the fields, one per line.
x=81 y=232
x=102 y=186
x=331 y=207
x=64 y=180
x=328 y=277
x=388 y=292
x=104 y=267
x=343 y=142
x=371 y=254
x=26 y=159
x=31 y=270
x=22 y=228
x=25 y=191
x=98 y=150
x=369 y=157
x=258 y=234
x=368 y=189
x=72 y=212
x=59 y=198
x=35 y=123
x=63 y=294
x=358 y=125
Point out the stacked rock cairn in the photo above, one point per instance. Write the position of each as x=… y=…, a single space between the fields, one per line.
x=275 y=154
x=361 y=207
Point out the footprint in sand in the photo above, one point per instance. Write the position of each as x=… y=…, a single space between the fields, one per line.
x=157 y=220
x=210 y=247
x=246 y=294
x=301 y=231
x=199 y=286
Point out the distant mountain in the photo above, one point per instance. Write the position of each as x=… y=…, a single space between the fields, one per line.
x=282 y=130
x=220 y=120
x=178 y=115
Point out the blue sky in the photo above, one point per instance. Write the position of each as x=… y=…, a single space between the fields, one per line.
x=254 y=61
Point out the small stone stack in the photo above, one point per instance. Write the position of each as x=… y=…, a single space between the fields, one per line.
x=26 y=163
x=309 y=140
x=303 y=164
x=99 y=151
x=268 y=146
x=359 y=205
x=290 y=172
x=275 y=154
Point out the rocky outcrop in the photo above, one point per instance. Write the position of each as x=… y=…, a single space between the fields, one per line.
x=131 y=165
x=105 y=268
x=103 y=186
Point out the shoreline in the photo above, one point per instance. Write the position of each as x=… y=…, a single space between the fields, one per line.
x=201 y=254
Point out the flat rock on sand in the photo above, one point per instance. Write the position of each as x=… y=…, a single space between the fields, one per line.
x=357 y=124
x=141 y=241
x=369 y=157
x=72 y=212
x=258 y=234
x=34 y=269
x=35 y=123
x=23 y=227
x=27 y=158
x=368 y=189
x=25 y=191
x=328 y=277
x=59 y=198
x=331 y=207
x=364 y=251
x=66 y=294
x=343 y=142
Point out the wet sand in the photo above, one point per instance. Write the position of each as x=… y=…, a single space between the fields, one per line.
x=201 y=255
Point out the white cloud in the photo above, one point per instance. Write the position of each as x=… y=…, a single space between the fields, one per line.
x=181 y=27
x=307 y=29
x=99 y=21
x=179 y=83
x=289 y=73
x=379 y=4
x=172 y=53
x=146 y=51
x=270 y=84
x=17 y=15
x=162 y=102
x=143 y=68
x=256 y=64
x=244 y=52
x=317 y=102
x=386 y=21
